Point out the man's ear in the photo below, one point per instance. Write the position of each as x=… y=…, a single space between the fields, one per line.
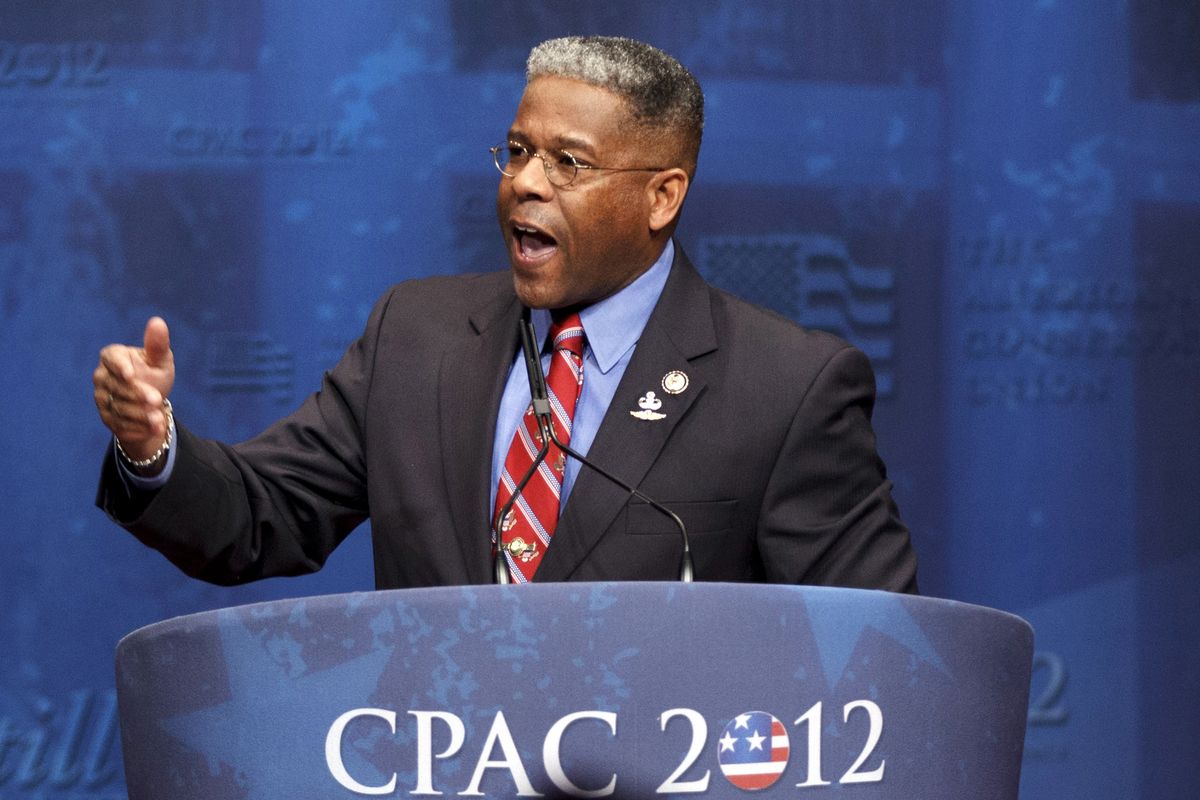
x=665 y=192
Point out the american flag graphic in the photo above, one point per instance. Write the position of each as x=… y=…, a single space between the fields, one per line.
x=753 y=750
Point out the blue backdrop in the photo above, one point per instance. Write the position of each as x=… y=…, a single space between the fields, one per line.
x=998 y=201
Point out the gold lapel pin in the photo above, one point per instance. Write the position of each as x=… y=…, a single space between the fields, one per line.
x=674 y=382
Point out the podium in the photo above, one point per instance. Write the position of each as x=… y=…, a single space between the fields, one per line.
x=622 y=690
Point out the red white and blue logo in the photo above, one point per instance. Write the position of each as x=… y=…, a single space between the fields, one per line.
x=753 y=750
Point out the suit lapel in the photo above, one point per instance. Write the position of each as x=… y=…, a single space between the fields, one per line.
x=471 y=380
x=679 y=330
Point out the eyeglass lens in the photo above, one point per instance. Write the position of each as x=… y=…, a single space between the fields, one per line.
x=560 y=166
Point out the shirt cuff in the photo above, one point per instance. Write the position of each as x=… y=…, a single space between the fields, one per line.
x=142 y=483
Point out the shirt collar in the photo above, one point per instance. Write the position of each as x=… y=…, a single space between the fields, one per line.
x=615 y=324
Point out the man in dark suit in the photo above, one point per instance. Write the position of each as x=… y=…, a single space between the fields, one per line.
x=755 y=431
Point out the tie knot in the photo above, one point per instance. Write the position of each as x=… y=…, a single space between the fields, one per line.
x=567 y=334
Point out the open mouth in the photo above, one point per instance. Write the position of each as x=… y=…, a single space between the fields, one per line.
x=532 y=243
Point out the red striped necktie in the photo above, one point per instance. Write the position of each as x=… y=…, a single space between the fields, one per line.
x=527 y=528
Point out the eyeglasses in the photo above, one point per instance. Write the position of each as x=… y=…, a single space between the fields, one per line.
x=561 y=167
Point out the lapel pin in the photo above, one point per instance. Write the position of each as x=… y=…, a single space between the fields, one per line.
x=674 y=382
x=649 y=404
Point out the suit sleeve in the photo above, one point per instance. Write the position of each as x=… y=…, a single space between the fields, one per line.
x=277 y=504
x=828 y=517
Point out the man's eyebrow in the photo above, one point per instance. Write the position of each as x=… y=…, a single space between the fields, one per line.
x=567 y=141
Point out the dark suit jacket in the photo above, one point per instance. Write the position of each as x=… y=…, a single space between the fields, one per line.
x=768 y=456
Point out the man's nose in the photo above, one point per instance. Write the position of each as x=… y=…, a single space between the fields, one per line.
x=531 y=181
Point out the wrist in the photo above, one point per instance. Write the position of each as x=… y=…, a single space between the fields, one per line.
x=154 y=463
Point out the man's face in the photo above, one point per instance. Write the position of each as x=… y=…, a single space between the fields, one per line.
x=574 y=245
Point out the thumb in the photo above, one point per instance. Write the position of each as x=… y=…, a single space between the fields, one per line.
x=157 y=342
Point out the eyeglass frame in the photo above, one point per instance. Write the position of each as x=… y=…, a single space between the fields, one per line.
x=548 y=168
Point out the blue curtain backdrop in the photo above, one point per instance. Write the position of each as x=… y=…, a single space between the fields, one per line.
x=998 y=201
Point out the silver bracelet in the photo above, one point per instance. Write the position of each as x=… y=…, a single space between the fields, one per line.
x=160 y=452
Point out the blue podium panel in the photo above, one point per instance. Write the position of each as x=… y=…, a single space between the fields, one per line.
x=582 y=690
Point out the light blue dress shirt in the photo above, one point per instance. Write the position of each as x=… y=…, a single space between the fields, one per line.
x=612 y=326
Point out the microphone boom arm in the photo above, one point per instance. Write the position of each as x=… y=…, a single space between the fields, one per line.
x=541 y=408
x=686 y=570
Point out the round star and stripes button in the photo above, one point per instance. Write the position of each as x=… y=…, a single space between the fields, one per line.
x=753 y=750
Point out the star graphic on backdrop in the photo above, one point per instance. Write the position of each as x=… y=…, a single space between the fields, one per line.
x=838 y=626
x=272 y=728
x=727 y=742
x=756 y=741
x=743 y=721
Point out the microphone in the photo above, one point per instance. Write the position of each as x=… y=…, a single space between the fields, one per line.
x=541 y=407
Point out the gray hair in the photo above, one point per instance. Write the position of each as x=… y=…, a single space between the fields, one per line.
x=660 y=90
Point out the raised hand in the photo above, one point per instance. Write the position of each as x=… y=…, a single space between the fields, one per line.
x=132 y=384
